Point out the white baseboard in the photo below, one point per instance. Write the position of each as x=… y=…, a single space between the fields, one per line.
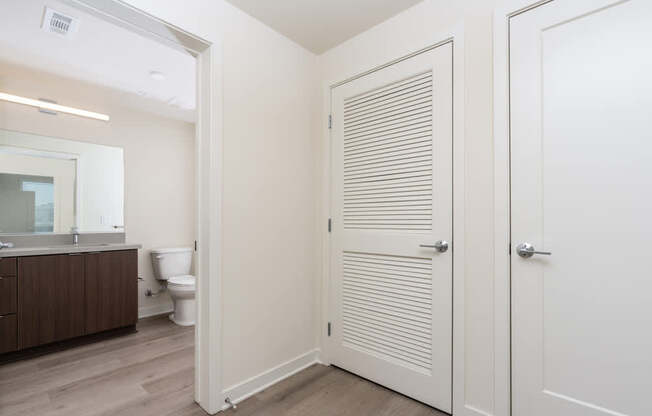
x=249 y=387
x=153 y=310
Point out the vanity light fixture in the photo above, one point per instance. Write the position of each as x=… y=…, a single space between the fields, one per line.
x=52 y=106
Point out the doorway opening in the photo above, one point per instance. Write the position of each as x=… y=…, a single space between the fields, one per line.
x=110 y=57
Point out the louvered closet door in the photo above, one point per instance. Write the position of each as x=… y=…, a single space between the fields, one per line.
x=391 y=300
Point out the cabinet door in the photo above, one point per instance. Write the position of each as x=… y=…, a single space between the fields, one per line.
x=8 y=333
x=111 y=290
x=51 y=299
x=8 y=295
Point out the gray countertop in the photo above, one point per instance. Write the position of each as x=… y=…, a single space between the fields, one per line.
x=65 y=249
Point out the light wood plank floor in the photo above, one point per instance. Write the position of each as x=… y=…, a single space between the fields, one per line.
x=151 y=373
x=329 y=391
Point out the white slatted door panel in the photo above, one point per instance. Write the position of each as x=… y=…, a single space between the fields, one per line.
x=388 y=157
x=391 y=300
x=387 y=307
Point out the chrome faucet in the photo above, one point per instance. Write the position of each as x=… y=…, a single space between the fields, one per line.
x=75 y=236
x=6 y=245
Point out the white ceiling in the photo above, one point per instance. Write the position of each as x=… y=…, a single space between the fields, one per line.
x=100 y=53
x=319 y=25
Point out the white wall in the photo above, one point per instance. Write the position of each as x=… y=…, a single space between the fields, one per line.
x=158 y=156
x=269 y=267
x=407 y=32
x=270 y=108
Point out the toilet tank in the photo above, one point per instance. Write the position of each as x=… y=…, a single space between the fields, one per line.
x=169 y=262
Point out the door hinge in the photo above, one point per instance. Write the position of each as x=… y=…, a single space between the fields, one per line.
x=509 y=249
x=328 y=329
x=330 y=121
x=330 y=225
x=195 y=245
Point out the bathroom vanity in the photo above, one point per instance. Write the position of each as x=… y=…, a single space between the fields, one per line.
x=60 y=293
x=65 y=270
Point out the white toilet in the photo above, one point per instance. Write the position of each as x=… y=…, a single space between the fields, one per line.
x=173 y=265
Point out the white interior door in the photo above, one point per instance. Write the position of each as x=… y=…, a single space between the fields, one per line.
x=581 y=154
x=391 y=299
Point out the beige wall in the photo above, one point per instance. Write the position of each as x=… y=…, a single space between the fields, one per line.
x=270 y=108
x=158 y=153
x=407 y=32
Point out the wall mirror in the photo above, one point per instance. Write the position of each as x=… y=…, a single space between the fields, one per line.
x=52 y=185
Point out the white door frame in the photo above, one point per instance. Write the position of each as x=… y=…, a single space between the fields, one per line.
x=502 y=198
x=208 y=179
x=456 y=37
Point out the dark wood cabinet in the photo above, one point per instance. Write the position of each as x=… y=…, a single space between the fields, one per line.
x=8 y=295
x=8 y=333
x=45 y=299
x=111 y=290
x=8 y=266
x=8 y=305
x=50 y=299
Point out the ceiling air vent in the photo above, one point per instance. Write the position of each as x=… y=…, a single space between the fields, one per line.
x=59 y=23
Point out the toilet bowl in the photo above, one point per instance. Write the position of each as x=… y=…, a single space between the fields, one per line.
x=182 y=292
x=172 y=267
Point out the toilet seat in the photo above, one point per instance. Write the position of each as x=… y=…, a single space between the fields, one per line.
x=186 y=282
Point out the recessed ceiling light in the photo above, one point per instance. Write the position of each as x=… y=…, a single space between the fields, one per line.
x=158 y=76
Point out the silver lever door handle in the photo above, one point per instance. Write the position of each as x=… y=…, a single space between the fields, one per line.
x=441 y=246
x=526 y=250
